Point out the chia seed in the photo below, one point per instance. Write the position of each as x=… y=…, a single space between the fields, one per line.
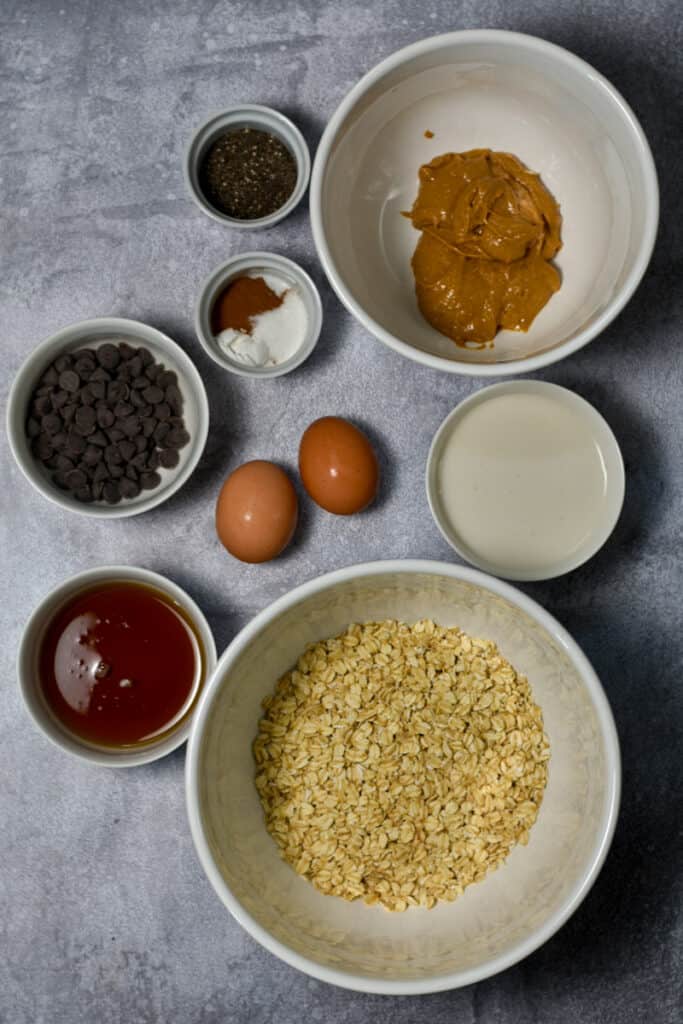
x=248 y=173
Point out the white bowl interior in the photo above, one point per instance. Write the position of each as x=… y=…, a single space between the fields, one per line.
x=493 y=917
x=92 y=334
x=558 y=119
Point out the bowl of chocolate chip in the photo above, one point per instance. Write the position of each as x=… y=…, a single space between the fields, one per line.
x=108 y=417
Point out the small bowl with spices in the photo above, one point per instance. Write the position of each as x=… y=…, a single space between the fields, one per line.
x=111 y=665
x=259 y=315
x=247 y=167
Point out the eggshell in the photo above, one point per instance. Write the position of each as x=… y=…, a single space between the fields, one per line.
x=256 y=512
x=338 y=466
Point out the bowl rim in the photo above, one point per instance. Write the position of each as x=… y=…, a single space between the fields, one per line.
x=266 y=117
x=613 y=307
x=616 y=481
x=70 y=336
x=252 y=260
x=66 y=741
x=454 y=979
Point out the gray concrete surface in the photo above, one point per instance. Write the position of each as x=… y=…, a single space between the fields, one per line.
x=105 y=915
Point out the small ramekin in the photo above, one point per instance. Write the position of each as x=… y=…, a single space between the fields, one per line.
x=247 y=116
x=29 y=653
x=236 y=267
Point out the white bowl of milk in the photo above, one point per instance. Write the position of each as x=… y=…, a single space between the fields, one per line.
x=525 y=480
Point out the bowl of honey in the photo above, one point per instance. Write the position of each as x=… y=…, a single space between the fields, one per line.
x=112 y=663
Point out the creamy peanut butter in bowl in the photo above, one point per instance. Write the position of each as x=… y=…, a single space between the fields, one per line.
x=520 y=99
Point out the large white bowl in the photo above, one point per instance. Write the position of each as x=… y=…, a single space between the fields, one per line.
x=496 y=922
x=503 y=91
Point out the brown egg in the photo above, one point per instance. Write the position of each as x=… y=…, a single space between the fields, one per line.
x=256 y=512
x=338 y=466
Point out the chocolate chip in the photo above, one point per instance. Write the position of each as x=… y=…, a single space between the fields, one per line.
x=115 y=471
x=86 y=396
x=64 y=463
x=153 y=370
x=76 y=478
x=97 y=489
x=115 y=434
x=60 y=440
x=112 y=454
x=51 y=423
x=123 y=409
x=137 y=400
x=161 y=431
x=153 y=459
x=139 y=383
x=83 y=493
x=85 y=420
x=101 y=473
x=131 y=426
x=108 y=356
x=62 y=363
x=145 y=356
x=169 y=458
x=174 y=398
x=92 y=455
x=153 y=394
x=67 y=412
x=140 y=442
x=148 y=481
x=42 y=405
x=50 y=377
x=162 y=411
x=129 y=488
x=135 y=366
x=176 y=438
x=42 y=447
x=117 y=391
x=97 y=388
x=111 y=492
x=105 y=417
x=127 y=449
x=69 y=381
x=166 y=379
x=127 y=351
x=98 y=438
x=100 y=374
x=140 y=461
x=32 y=427
x=60 y=480
x=131 y=471
x=75 y=444
x=84 y=367
x=59 y=399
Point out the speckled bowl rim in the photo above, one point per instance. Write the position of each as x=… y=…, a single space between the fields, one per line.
x=252 y=115
x=546 y=929
x=70 y=337
x=29 y=686
x=616 y=481
x=218 y=278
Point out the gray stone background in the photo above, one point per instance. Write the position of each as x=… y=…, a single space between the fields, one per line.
x=105 y=914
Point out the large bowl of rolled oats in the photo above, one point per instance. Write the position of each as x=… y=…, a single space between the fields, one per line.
x=403 y=777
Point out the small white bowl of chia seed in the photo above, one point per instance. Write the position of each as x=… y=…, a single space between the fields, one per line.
x=247 y=167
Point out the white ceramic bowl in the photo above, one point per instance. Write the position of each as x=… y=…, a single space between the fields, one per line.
x=245 y=263
x=503 y=91
x=605 y=514
x=94 y=333
x=247 y=115
x=29 y=652
x=496 y=922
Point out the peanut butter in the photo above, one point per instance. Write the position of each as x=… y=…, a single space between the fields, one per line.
x=489 y=230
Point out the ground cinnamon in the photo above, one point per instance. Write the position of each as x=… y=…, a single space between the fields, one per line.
x=243 y=299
